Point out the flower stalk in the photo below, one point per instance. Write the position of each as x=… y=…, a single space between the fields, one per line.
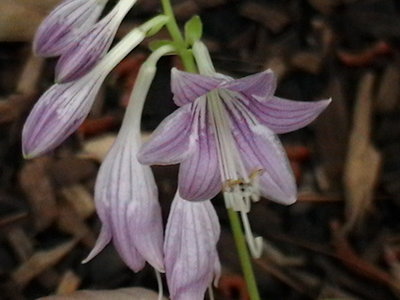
x=173 y=29
x=244 y=257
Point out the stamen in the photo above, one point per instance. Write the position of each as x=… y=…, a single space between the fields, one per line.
x=255 y=184
x=210 y=292
x=160 y=285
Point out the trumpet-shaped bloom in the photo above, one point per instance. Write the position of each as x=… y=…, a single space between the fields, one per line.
x=60 y=28
x=126 y=193
x=127 y=204
x=91 y=44
x=191 y=258
x=224 y=135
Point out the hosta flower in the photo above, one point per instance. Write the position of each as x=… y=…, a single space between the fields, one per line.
x=59 y=29
x=61 y=110
x=125 y=193
x=91 y=44
x=127 y=204
x=191 y=258
x=224 y=137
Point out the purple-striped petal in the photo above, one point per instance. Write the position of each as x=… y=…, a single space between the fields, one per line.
x=282 y=116
x=126 y=201
x=187 y=87
x=258 y=86
x=91 y=45
x=171 y=142
x=59 y=29
x=190 y=248
x=261 y=149
x=57 y=114
x=199 y=175
x=86 y=52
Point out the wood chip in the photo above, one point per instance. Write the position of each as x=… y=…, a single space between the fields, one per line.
x=36 y=184
x=21 y=243
x=20 y=18
x=12 y=218
x=14 y=106
x=69 y=283
x=280 y=259
x=72 y=170
x=41 y=261
x=307 y=61
x=121 y=294
x=97 y=148
x=363 y=160
x=273 y=18
x=331 y=131
x=357 y=264
x=325 y=6
x=389 y=94
x=278 y=65
x=80 y=200
x=70 y=222
x=30 y=75
x=186 y=10
x=279 y=274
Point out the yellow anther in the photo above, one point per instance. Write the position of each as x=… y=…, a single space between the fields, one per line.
x=230 y=183
x=256 y=173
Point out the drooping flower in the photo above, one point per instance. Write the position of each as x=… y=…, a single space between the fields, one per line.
x=61 y=110
x=224 y=135
x=91 y=44
x=191 y=258
x=127 y=203
x=59 y=29
x=126 y=194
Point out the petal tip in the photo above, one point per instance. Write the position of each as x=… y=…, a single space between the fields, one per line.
x=29 y=152
x=290 y=200
x=326 y=102
x=102 y=241
x=28 y=155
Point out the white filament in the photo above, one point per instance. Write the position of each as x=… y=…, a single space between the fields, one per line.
x=210 y=292
x=160 y=285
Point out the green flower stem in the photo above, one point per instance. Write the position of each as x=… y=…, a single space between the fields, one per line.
x=244 y=256
x=172 y=26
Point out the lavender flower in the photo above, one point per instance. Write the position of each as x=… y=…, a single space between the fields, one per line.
x=126 y=193
x=60 y=28
x=61 y=110
x=126 y=201
x=224 y=137
x=91 y=44
x=191 y=258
